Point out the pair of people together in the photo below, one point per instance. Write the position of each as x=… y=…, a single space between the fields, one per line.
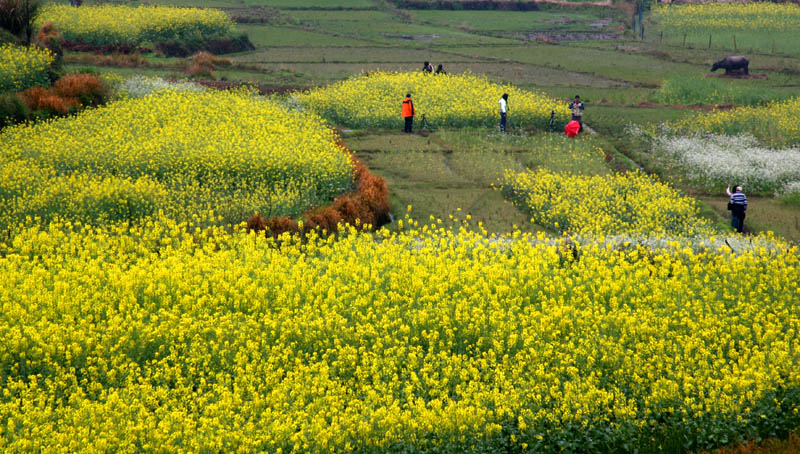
x=427 y=67
x=576 y=107
x=409 y=112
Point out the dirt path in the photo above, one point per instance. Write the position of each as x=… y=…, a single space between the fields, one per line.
x=606 y=3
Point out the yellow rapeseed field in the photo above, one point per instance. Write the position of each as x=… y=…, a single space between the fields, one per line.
x=447 y=101
x=178 y=152
x=776 y=124
x=23 y=67
x=159 y=339
x=750 y=16
x=629 y=203
x=117 y=24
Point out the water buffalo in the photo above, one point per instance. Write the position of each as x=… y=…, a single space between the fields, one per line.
x=731 y=64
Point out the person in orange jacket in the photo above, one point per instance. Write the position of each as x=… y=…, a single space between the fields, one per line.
x=408 y=113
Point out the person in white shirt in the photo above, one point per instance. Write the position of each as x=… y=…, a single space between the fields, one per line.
x=503 y=111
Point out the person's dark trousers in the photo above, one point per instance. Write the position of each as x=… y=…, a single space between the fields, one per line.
x=409 y=124
x=737 y=222
x=580 y=122
x=502 y=122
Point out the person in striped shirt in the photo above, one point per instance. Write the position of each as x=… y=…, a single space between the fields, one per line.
x=738 y=206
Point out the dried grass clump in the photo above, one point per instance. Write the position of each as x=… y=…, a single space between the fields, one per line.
x=68 y=94
x=367 y=207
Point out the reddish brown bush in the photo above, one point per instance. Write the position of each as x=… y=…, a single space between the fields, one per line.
x=86 y=88
x=119 y=60
x=31 y=96
x=68 y=94
x=367 y=207
x=42 y=99
x=772 y=446
x=49 y=38
x=203 y=64
x=200 y=71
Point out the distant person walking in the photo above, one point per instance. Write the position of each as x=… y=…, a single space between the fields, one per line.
x=408 y=113
x=503 y=111
x=427 y=67
x=737 y=206
x=577 y=111
x=440 y=69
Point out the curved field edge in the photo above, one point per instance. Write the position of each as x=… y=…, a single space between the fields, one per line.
x=367 y=207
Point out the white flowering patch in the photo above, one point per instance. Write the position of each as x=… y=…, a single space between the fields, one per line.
x=790 y=192
x=141 y=86
x=719 y=160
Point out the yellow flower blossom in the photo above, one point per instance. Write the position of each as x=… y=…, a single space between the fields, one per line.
x=23 y=67
x=117 y=24
x=447 y=101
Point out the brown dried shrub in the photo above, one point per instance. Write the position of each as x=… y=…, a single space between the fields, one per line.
x=50 y=38
x=57 y=104
x=366 y=207
x=44 y=100
x=88 y=89
x=771 y=446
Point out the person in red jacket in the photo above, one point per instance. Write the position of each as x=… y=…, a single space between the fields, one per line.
x=408 y=113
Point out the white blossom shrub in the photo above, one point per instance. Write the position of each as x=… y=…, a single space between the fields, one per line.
x=714 y=161
x=141 y=86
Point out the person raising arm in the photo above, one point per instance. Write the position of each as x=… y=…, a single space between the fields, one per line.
x=738 y=207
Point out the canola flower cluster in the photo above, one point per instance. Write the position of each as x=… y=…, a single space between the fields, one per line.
x=447 y=101
x=23 y=67
x=159 y=339
x=749 y=16
x=118 y=24
x=180 y=153
x=776 y=124
x=629 y=203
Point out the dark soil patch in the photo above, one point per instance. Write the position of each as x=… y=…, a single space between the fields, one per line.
x=124 y=48
x=410 y=37
x=501 y=5
x=217 y=46
x=703 y=107
x=254 y=15
x=593 y=24
x=262 y=88
x=738 y=76
x=557 y=37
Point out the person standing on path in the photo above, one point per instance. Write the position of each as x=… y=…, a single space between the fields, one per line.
x=503 y=111
x=408 y=113
x=577 y=111
x=738 y=206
